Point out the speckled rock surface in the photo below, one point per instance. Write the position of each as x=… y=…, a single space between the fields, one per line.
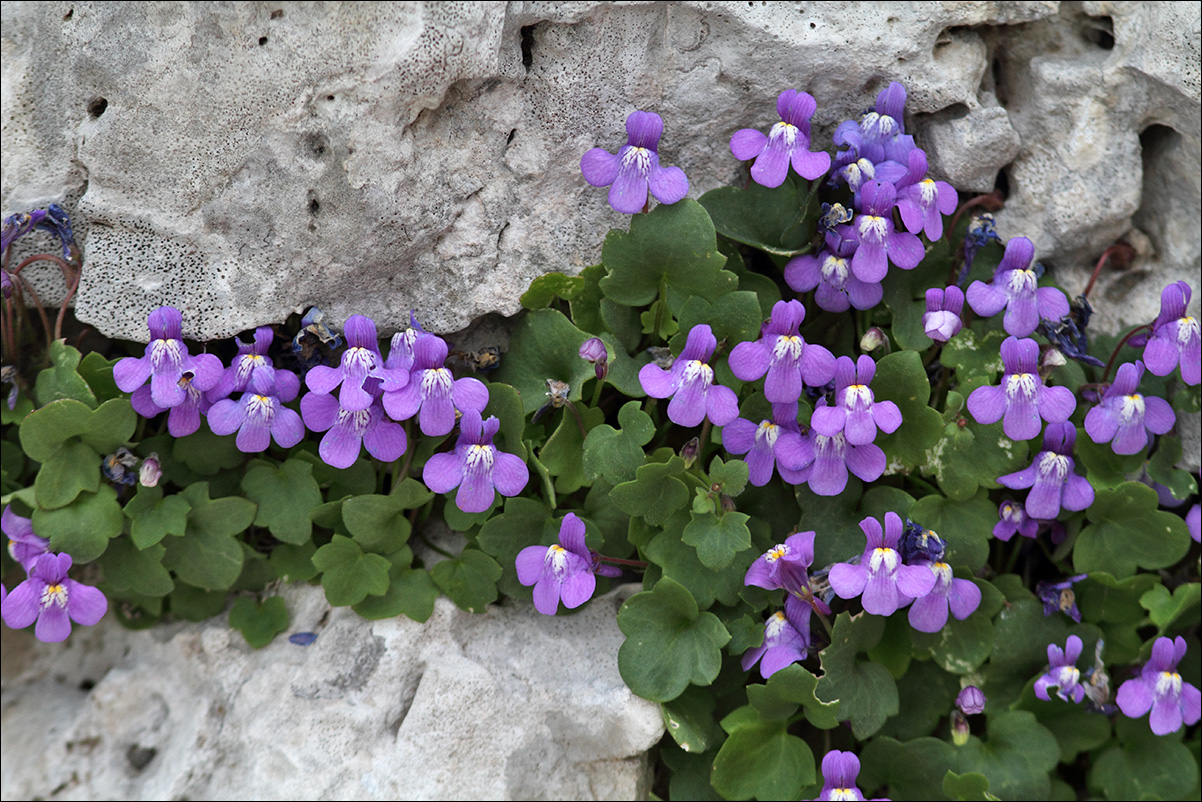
x=509 y=704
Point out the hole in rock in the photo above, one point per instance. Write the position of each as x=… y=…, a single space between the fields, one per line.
x=1002 y=184
x=314 y=205
x=96 y=106
x=527 y=46
x=87 y=685
x=262 y=41
x=70 y=13
x=139 y=757
x=279 y=12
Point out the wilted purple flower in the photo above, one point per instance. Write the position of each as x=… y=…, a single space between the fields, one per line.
x=829 y=275
x=784 y=566
x=786 y=640
x=259 y=416
x=360 y=360
x=690 y=383
x=594 y=352
x=1175 y=336
x=54 y=600
x=921 y=545
x=1068 y=333
x=1193 y=521
x=1051 y=477
x=1124 y=417
x=787 y=142
x=971 y=700
x=1059 y=596
x=1015 y=289
x=929 y=612
x=942 y=320
x=476 y=467
x=118 y=467
x=6 y=284
x=564 y=571
x=769 y=445
x=151 y=471
x=431 y=392
x=1022 y=398
x=886 y=584
x=923 y=201
x=784 y=355
x=1159 y=688
x=879 y=242
x=1062 y=673
x=24 y=545
x=347 y=429
x=834 y=457
x=17 y=226
x=839 y=773
x=173 y=373
x=857 y=413
x=1012 y=517
x=635 y=169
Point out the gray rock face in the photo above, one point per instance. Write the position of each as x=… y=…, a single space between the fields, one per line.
x=509 y=704
x=243 y=161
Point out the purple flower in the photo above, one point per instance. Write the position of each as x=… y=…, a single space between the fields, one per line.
x=787 y=142
x=1159 y=688
x=1051 y=478
x=166 y=362
x=690 y=383
x=1193 y=520
x=182 y=419
x=1124 y=417
x=151 y=471
x=857 y=413
x=476 y=467
x=923 y=201
x=879 y=135
x=769 y=445
x=1022 y=398
x=564 y=571
x=929 y=612
x=401 y=348
x=253 y=368
x=1062 y=673
x=834 y=457
x=879 y=242
x=259 y=416
x=786 y=640
x=829 y=275
x=784 y=355
x=942 y=320
x=971 y=700
x=1059 y=596
x=23 y=544
x=347 y=429
x=784 y=566
x=839 y=773
x=54 y=600
x=1175 y=336
x=431 y=392
x=885 y=583
x=1014 y=289
x=594 y=352
x=360 y=360
x=635 y=169
x=18 y=225
x=1012 y=517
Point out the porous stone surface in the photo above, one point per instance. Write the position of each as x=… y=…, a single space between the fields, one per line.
x=509 y=704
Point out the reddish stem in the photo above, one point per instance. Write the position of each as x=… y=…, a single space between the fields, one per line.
x=1114 y=354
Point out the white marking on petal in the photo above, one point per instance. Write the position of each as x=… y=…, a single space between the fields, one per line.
x=639 y=159
x=834 y=271
x=54 y=594
x=1187 y=330
x=776 y=552
x=695 y=371
x=436 y=382
x=884 y=556
x=260 y=407
x=788 y=346
x=1168 y=683
x=480 y=458
x=1132 y=408
x=556 y=559
x=766 y=433
x=872 y=229
x=785 y=131
x=773 y=628
x=166 y=352
x=845 y=794
x=357 y=420
x=943 y=574
x=1021 y=387
x=1052 y=466
x=857 y=397
x=928 y=193
x=1022 y=282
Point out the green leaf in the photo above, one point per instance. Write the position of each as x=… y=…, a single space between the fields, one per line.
x=789 y=688
x=208 y=556
x=734 y=317
x=965 y=463
x=1016 y=756
x=586 y=306
x=1127 y=531
x=1103 y=467
x=193 y=604
x=549 y=286
x=357 y=480
x=689 y=719
x=655 y=493
x=961 y=646
x=1176 y=611
x=679 y=562
x=911 y=770
x=377 y=523
x=762 y=760
x=777 y=220
x=1162 y=467
x=966 y=526
x=1145 y=767
x=718 y=538
x=866 y=693
x=74 y=469
x=1101 y=597
x=293 y=563
x=563 y=452
x=259 y=623
x=83 y=528
x=970 y=786
x=110 y=426
x=901 y=378
x=130 y=570
x=731 y=477
x=615 y=454
x=675 y=245
x=470 y=580
x=98 y=373
x=349 y=575
x=669 y=642
x=154 y=517
x=505 y=403
x=976 y=358
x=44 y=430
x=62 y=380
x=206 y=453
x=286 y=496
x=544 y=345
x=411 y=593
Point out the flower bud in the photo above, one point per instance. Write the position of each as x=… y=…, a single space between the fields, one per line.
x=689 y=452
x=1053 y=358
x=873 y=339
x=594 y=352
x=971 y=700
x=960 y=729
x=151 y=471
